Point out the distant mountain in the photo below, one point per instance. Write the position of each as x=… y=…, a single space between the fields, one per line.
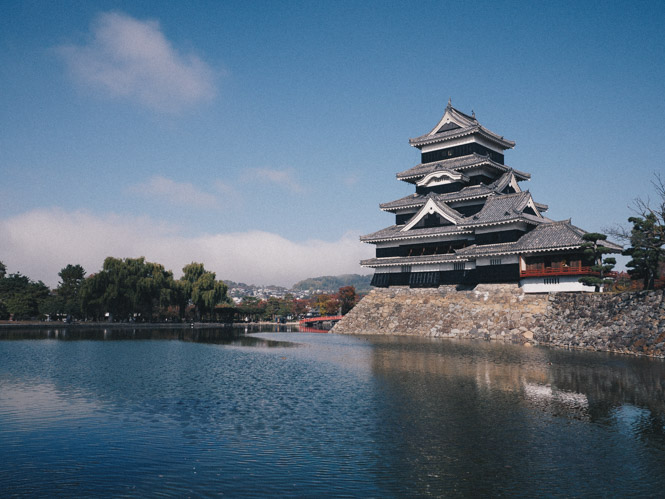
x=331 y=283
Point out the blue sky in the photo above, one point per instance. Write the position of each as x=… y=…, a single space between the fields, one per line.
x=260 y=137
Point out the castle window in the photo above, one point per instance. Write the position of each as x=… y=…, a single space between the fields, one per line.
x=381 y=280
x=495 y=261
x=406 y=268
x=432 y=220
x=551 y=280
x=424 y=279
x=458 y=265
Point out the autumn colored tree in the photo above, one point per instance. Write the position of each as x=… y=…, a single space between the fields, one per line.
x=347 y=298
x=328 y=304
x=252 y=308
x=301 y=305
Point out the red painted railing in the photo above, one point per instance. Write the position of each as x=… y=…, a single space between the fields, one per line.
x=553 y=271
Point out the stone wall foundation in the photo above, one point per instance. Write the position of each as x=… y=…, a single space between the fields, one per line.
x=632 y=323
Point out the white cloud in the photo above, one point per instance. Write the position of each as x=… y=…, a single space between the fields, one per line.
x=224 y=188
x=133 y=59
x=181 y=193
x=40 y=243
x=283 y=178
x=351 y=180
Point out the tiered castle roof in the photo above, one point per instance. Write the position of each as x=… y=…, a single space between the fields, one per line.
x=464 y=192
x=498 y=209
x=457 y=165
x=454 y=125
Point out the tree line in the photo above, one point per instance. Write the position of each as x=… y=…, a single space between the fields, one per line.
x=129 y=289
x=133 y=289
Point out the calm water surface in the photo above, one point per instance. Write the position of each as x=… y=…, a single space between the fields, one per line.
x=215 y=412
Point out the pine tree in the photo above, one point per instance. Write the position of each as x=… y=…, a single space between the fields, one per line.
x=647 y=241
x=594 y=251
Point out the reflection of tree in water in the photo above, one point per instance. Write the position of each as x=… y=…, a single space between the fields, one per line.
x=229 y=335
x=485 y=418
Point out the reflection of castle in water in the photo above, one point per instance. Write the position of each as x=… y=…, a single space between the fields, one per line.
x=579 y=381
x=510 y=412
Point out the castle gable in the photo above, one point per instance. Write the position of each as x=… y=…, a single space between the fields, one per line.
x=470 y=222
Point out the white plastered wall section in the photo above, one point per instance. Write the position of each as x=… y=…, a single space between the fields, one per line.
x=559 y=284
x=505 y=260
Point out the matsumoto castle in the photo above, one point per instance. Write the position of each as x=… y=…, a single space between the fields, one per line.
x=470 y=222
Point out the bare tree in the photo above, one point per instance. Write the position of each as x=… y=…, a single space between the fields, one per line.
x=646 y=236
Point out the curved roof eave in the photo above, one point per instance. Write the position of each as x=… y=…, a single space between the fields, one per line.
x=424 y=140
x=477 y=161
x=403 y=237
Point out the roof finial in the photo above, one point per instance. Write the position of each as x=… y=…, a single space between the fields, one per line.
x=473 y=113
x=449 y=102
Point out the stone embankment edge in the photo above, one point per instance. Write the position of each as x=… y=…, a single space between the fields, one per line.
x=628 y=323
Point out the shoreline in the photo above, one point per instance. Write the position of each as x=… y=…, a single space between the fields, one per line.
x=133 y=325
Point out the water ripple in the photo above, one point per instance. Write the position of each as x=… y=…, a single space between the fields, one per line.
x=304 y=415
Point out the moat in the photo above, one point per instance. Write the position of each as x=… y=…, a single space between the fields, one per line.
x=259 y=413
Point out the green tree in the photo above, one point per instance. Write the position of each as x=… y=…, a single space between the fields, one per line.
x=22 y=296
x=92 y=296
x=202 y=289
x=4 y=312
x=52 y=306
x=155 y=290
x=287 y=305
x=647 y=238
x=69 y=289
x=128 y=288
x=593 y=253
x=271 y=309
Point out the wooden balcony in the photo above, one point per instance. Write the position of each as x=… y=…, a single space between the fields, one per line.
x=557 y=271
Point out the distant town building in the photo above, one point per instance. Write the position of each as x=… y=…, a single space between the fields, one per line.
x=470 y=222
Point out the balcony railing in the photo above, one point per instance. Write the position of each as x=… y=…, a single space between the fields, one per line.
x=554 y=271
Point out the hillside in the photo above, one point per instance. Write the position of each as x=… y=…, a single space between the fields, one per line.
x=333 y=283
